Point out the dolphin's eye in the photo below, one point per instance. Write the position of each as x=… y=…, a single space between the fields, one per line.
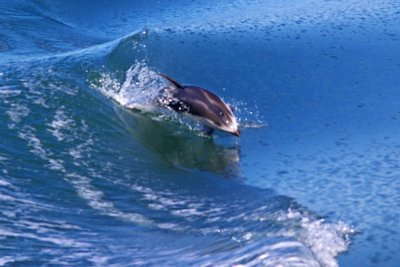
x=221 y=114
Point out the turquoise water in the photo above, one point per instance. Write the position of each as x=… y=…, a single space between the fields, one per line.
x=312 y=181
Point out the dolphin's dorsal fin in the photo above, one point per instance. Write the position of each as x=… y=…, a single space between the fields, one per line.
x=175 y=83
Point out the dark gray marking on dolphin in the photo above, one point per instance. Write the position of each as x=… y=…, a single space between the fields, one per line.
x=200 y=103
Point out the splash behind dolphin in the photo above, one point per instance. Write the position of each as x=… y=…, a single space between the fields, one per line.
x=200 y=104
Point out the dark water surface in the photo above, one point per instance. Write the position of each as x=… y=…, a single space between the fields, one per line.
x=312 y=181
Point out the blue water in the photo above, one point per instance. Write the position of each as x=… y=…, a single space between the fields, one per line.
x=312 y=181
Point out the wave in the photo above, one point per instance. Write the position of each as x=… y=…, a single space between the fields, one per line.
x=151 y=175
x=230 y=222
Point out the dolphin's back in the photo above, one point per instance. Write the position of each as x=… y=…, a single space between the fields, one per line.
x=200 y=102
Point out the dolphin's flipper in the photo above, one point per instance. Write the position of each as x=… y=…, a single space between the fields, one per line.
x=207 y=130
x=175 y=83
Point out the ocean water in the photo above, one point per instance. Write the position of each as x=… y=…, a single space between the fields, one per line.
x=312 y=181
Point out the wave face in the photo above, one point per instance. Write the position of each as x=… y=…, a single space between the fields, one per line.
x=86 y=181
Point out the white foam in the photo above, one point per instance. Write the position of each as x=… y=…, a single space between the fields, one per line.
x=38 y=149
x=77 y=152
x=326 y=240
x=59 y=123
x=186 y=212
x=33 y=142
x=4 y=183
x=56 y=240
x=56 y=164
x=24 y=200
x=171 y=227
x=95 y=200
x=248 y=116
x=43 y=227
x=17 y=113
x=9 y=91
x=140 y=87
x=165 y=201
x=40 y=101
x=11 y=259
x=99 y=260
x=259 y=253
x=9 y=213
x=6 y=198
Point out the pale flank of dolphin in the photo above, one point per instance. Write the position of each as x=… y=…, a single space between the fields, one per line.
x=200 y=103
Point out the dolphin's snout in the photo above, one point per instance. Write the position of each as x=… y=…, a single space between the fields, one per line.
x=237 y=133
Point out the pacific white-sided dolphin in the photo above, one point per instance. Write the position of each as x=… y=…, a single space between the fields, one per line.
x=200 y=104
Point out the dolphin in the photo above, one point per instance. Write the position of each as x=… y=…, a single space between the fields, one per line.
x=200 y=104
